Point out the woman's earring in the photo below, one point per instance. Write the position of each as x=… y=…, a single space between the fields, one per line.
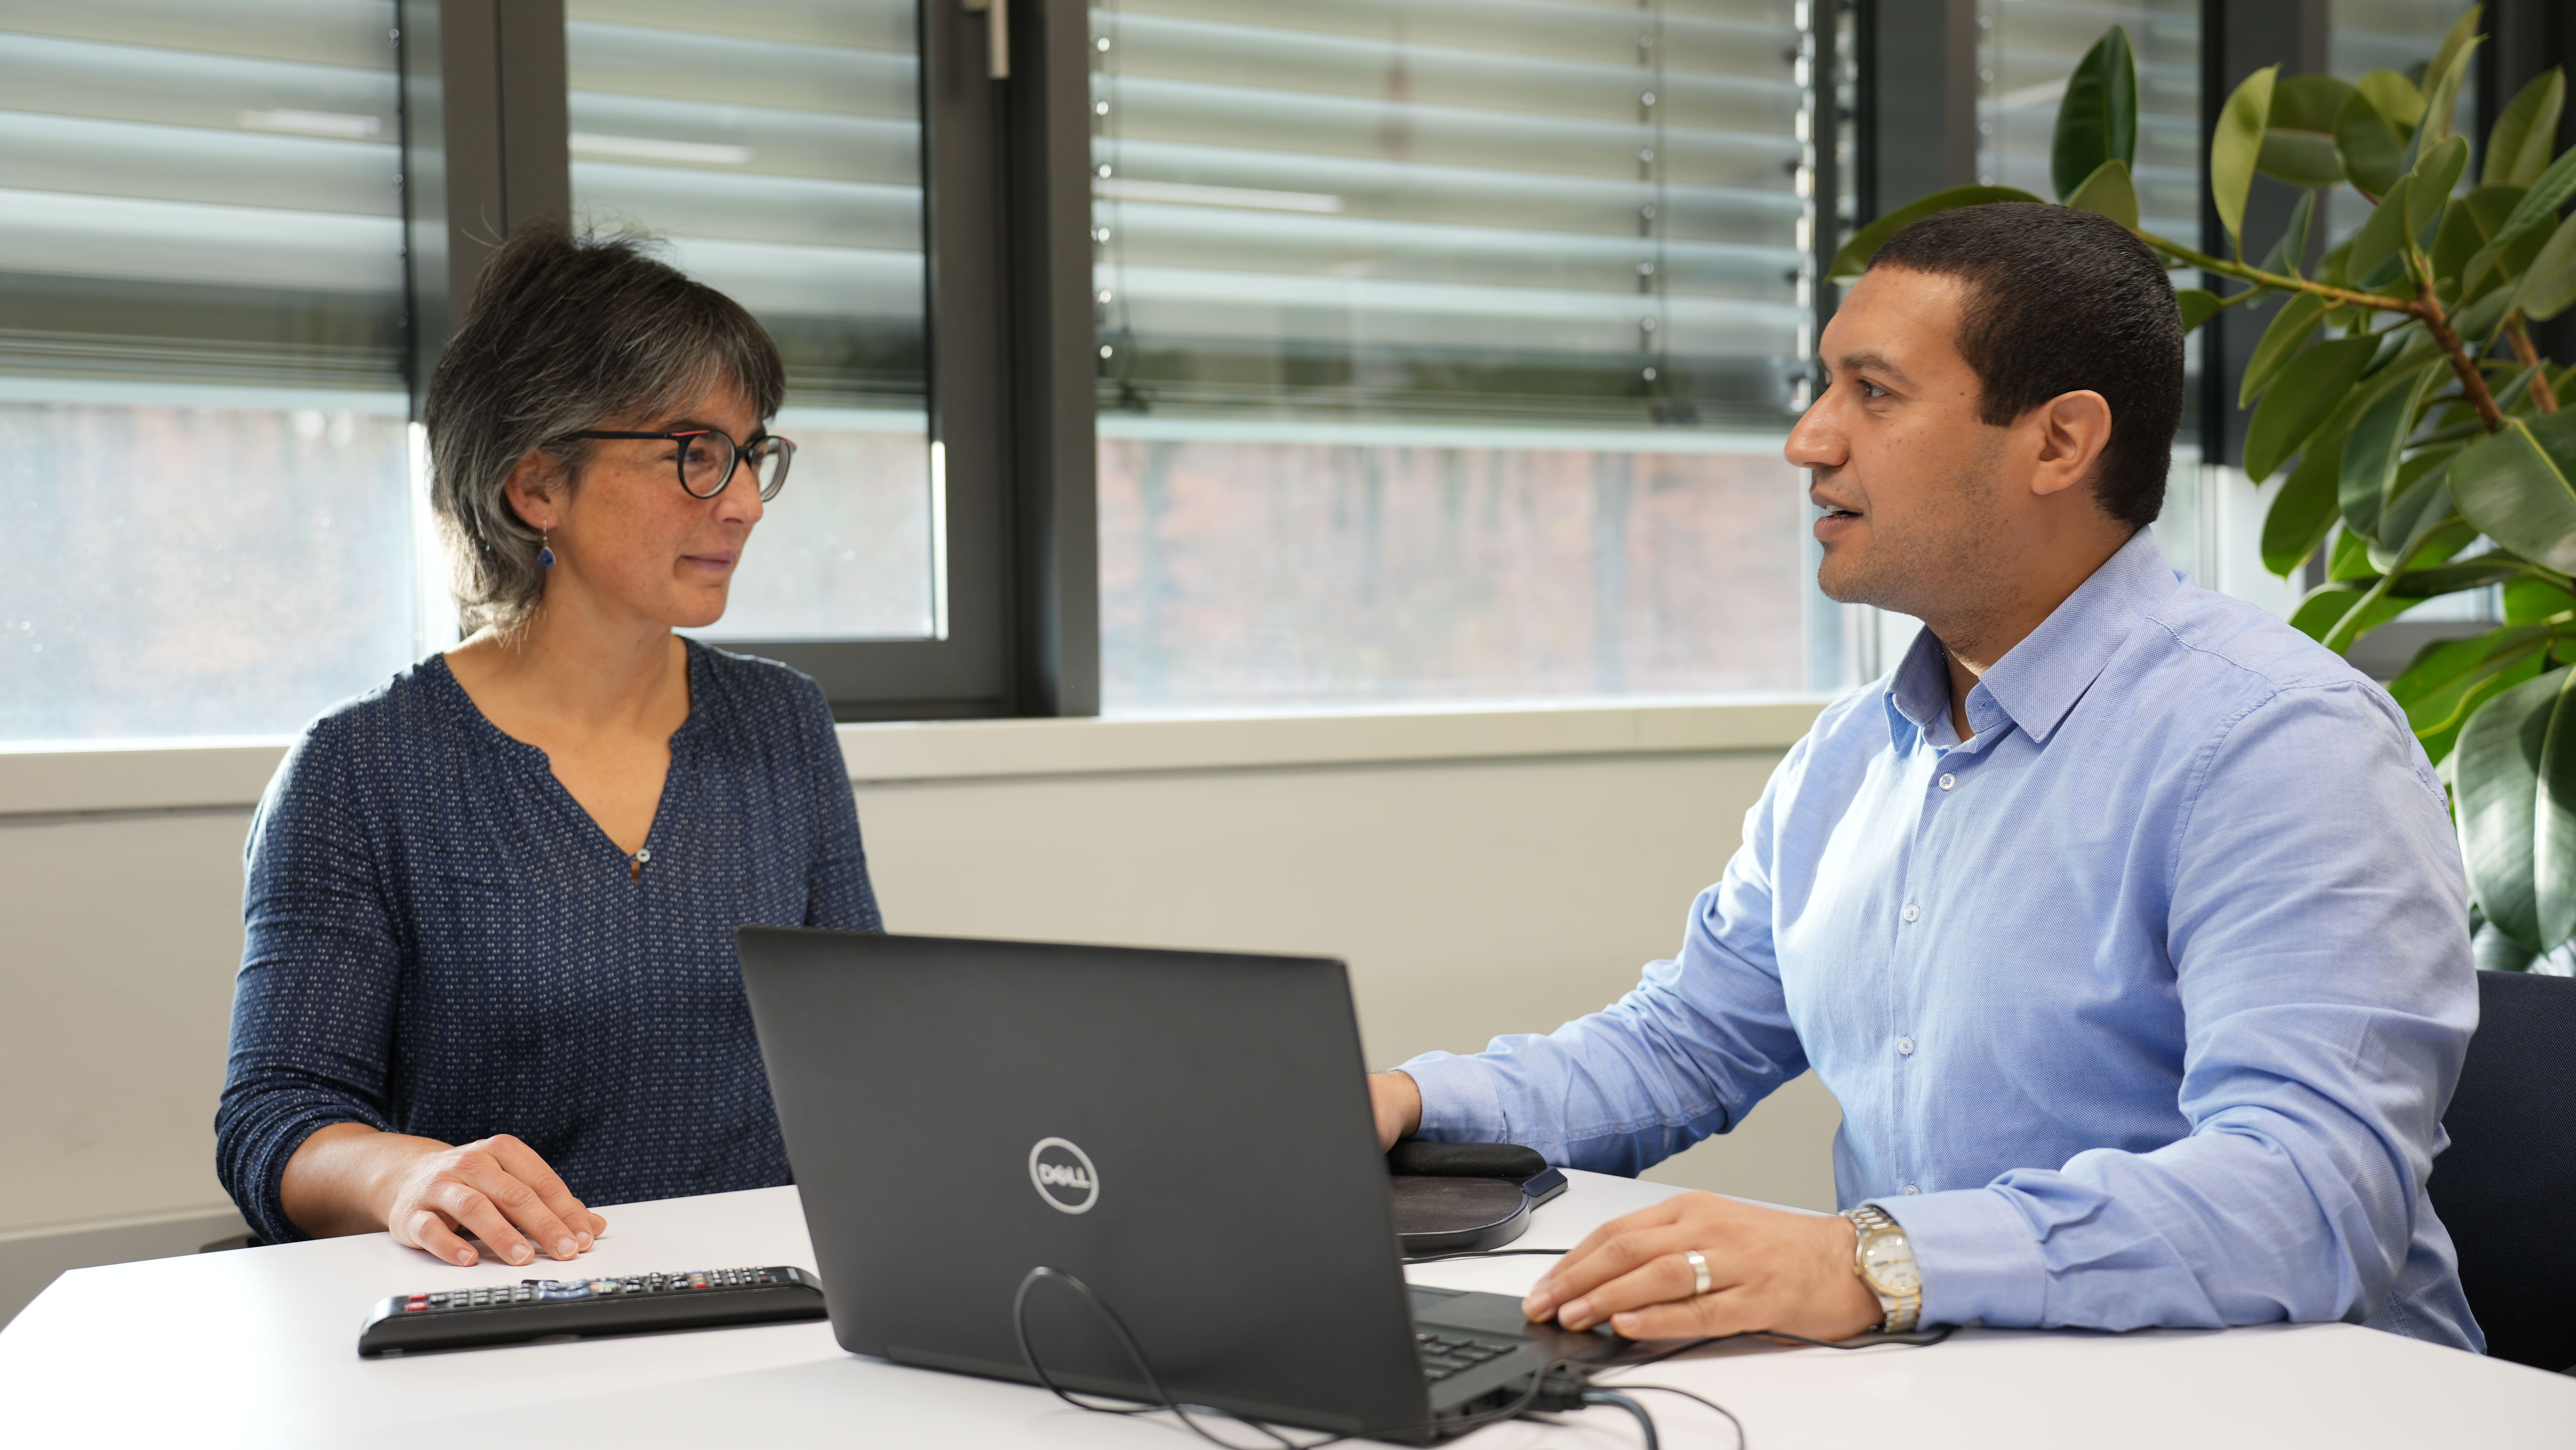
x=545 y=549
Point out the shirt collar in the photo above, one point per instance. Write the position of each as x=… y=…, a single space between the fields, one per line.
x=2040 y=679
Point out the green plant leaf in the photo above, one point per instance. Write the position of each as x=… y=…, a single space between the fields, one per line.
x=2350 y=559
x=2289 y=255
x=2328 y=606
x=2436 y=172
x=2444 y=579
x=2395 y=97
x=2110 y=192
x=2371 y=451
x=2454 y=243
x=2448 y=679
x=2518 y=147
x=2280 y=342
x=2303 y=510
x=2098 y=119
x=2372 y=152
x=2527 y=600
x=2307 y=390
x=2540 y=204
x=2443 y=76
x=2379 y=236
x=2419 y=522
x=2497 y=767
x=2487 y=209
x=2515 y=486
x=2197 y=305
x=1853 y=258
x=2299 y=134
x=2234 y=147
x=2549 y=284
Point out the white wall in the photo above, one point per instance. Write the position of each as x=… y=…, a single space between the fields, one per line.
x=1482 y=873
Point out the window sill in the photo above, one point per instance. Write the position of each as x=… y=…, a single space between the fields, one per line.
x=122 y=778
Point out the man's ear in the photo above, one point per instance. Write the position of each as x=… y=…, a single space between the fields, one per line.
x=2073 y=430
x=532 y=488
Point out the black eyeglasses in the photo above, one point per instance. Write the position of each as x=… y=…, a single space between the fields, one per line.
x=708 y=457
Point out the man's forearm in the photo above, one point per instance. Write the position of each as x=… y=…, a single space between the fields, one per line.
x=1397 y=1102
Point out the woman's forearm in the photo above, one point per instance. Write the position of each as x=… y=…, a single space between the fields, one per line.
x=349 y=1178
x=340 y=1180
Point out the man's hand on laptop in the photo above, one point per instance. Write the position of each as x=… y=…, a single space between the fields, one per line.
x=1767 y=1269
x=1398 y=1104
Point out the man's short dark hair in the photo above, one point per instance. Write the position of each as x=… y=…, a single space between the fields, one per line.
x=2059 y=301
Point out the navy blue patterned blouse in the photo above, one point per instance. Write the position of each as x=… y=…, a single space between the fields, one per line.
x=442 y=942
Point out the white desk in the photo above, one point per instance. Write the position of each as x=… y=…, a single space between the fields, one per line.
x=269 y=1360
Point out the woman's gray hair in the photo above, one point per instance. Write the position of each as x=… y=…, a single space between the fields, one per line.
x=567 y=332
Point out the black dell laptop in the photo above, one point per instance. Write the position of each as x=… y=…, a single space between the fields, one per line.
x=1186 y=1133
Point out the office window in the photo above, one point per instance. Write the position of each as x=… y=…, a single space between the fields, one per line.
x=776 y=144
x=2026 y=50
x=1446 y=348
x=2398 y=35
x=204 y=525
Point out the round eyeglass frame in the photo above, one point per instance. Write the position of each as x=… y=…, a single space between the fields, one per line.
x=785 y=449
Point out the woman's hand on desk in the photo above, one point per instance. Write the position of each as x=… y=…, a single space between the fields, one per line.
x=349 y=1178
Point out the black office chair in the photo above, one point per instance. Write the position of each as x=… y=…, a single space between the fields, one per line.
x=2508 y=1182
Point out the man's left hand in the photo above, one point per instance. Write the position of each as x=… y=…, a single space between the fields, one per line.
x=1767 y=1270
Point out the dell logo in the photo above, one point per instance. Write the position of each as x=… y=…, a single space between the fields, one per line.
x=1064 y=1176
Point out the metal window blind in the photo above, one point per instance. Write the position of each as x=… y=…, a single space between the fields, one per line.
x=777 y=145
x=201 y=193
x=1527 y=209
x=2027 y=50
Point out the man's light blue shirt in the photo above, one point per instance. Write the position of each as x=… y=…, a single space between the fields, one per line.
x=2142 y=1005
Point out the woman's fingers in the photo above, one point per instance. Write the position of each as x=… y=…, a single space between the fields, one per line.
x=474 y=1210
x=499 y=1190
x=560 y=1221
x=423 y=1229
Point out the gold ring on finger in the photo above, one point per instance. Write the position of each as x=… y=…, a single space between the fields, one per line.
x=1699 y=1271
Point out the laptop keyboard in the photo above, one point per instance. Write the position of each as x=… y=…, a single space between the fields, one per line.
x=1443 y=1356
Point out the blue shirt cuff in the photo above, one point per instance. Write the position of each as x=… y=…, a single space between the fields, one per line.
x=1979 y=1260
x=1459 y=1104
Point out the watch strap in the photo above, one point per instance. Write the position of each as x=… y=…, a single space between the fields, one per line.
x=1900 y=1311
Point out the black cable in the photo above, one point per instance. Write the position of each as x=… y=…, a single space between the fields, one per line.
x=1645 y=1422
x=1163 y=1398
x=1483 y=1254
x=1740 y=1441
x=1916 y=1339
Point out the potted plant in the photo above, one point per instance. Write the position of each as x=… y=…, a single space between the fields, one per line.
x=2422 y=436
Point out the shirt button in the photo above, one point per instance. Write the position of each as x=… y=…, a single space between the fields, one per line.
x=1912 y=911
x=1948 y=781
x=1910 y=1188
x=1905 y=1046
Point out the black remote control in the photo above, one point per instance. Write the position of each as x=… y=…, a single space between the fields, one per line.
x=535 y=1309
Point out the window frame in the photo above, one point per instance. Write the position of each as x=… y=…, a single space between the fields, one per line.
x=1006 y=219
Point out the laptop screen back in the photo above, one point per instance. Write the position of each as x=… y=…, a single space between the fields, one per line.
x=1188 y=1133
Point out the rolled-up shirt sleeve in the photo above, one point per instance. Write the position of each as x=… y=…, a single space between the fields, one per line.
x=2321 y=955
x=1701 y=1040
x=314 y=1004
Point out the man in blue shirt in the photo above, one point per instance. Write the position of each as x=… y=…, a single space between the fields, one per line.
x=2125 y=922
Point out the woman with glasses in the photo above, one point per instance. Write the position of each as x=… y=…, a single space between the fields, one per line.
x=489 y=976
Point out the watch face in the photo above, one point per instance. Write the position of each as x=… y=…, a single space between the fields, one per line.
x=1889 y=1262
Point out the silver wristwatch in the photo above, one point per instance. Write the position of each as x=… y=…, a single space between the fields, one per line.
x=1885 y=1262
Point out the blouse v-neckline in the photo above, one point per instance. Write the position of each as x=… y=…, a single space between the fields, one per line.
x=534 y=758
